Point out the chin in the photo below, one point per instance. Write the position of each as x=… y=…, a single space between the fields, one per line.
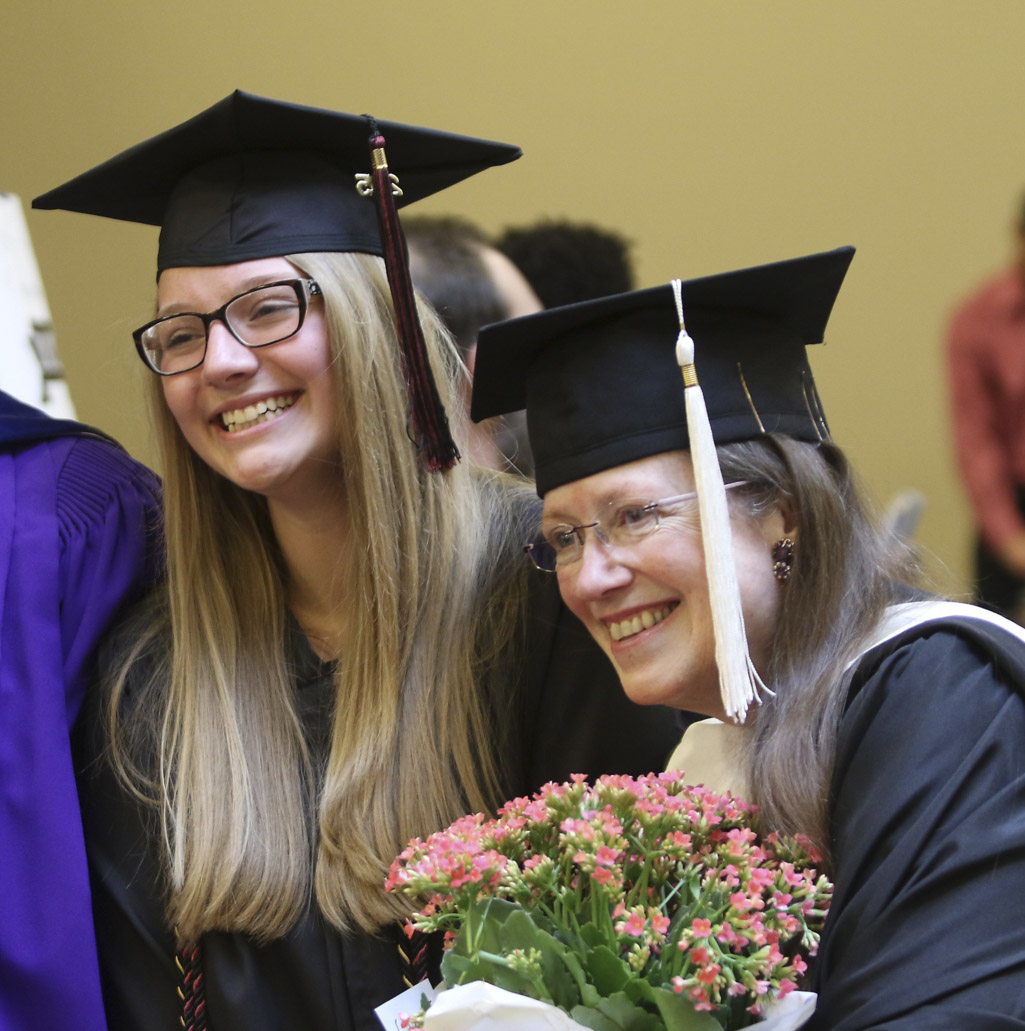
x=642 y=691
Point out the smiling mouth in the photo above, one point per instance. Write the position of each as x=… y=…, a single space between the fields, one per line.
x=641 y=621
x=254 y=414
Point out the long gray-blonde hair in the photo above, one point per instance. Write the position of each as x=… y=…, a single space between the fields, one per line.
x=846 y=570
x=251 y=831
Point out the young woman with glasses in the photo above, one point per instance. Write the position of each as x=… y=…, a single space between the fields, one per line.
x=346 y=653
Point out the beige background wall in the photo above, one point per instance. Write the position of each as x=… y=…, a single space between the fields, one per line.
x=714 y=134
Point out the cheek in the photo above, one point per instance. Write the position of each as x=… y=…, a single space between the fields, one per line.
x=176 y=398
x=567 y=585
x=181 y=403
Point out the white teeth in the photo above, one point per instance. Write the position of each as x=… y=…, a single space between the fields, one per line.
x=635 y=624
x=254 y=414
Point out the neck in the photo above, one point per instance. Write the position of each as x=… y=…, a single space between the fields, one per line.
x=313 y=541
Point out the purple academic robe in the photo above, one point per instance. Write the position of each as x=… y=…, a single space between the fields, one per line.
x=78 y=533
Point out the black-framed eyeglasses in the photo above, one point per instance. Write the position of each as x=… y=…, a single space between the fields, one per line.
x=629 y=521
x=264 y=315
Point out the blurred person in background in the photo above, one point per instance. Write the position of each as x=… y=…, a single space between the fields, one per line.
x=986 y=367
x=568 y=262
x=470 y=284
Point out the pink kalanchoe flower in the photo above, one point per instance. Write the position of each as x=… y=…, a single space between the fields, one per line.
x=635 y=850
x=633 y=925
x=760 y=878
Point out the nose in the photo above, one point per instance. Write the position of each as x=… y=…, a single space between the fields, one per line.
x=227 y=358
x=599 y=569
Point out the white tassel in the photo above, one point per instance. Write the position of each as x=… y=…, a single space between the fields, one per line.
x=739 y=682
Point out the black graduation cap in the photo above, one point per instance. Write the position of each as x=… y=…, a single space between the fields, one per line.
x=252 y=177
x=600 y=380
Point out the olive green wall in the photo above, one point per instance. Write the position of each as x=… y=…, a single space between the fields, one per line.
x=715 y=135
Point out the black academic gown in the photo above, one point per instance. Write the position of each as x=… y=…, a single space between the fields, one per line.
x=927 y=926
x=566 y=714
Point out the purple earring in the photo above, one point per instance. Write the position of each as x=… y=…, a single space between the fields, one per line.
x=783 y=559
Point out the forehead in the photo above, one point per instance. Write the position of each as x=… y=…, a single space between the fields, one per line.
x=208 y=286
x=651 y=478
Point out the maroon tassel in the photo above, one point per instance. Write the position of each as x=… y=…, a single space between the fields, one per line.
x=428 y=424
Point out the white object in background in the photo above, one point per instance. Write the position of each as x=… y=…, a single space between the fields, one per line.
x=29 y=367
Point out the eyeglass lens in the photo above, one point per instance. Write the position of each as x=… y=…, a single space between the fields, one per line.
x=627 y=522
x=256 y=318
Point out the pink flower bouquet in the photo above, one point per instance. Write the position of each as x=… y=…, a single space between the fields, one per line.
x=640 y=904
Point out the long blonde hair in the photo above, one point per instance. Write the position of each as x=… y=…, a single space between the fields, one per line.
x=252 y=826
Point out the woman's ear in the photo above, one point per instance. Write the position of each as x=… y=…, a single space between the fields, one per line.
x=780 y=522
x=789 y=517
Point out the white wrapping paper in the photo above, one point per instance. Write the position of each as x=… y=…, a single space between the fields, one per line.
x=480 y=1006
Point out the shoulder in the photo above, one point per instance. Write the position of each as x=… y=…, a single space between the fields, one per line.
x=96 y=479
x=924 y=704
x=943 y=651
x=94 y=471
x=946 y=673
x=996 y=299
x=927 y=830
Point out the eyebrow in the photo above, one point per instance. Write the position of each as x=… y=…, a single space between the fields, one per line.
x=602 y=501
x=248 y=284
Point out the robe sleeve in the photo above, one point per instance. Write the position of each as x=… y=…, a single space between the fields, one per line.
x=76 y=523
x=108 y=512
x=927 y=926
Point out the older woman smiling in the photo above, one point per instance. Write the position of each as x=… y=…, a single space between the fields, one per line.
x=710 y=536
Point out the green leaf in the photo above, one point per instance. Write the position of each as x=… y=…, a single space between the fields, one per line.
x=679 y=1013
x=616 y=1013
x=589 y=1017
x=608 y=973
x=628 y=1015
x=493 y=930
x=591 y=935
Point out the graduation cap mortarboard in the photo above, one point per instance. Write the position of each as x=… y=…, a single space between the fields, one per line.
x=601 y=384
x=253 y=178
